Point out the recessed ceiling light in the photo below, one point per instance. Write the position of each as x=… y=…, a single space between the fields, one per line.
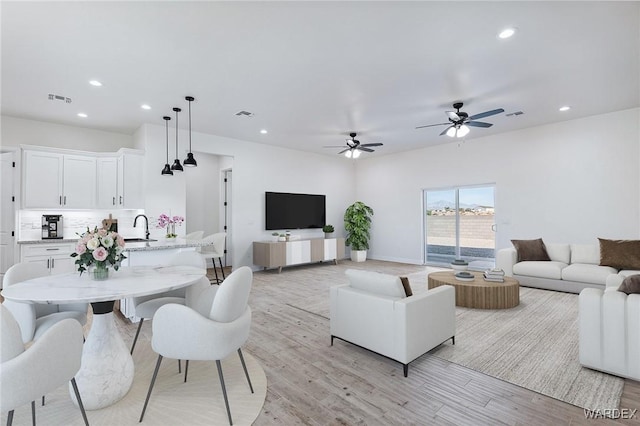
x=564 y=108
x=82 y=114
x=263 y=131
x=95 y=83
x=506 y=33
x=145 y=106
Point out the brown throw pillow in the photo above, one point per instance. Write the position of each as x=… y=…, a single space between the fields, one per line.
x=407 y=287
x=630 y=285
x=620 y=254
x=530 y=250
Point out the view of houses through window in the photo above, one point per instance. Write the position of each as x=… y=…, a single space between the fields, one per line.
x=459 y=223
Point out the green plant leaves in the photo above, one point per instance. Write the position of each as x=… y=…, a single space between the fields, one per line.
x=357 y=223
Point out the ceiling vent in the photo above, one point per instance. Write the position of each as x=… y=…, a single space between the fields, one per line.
x=244 y=114
x=514 y=113
x=53 y=97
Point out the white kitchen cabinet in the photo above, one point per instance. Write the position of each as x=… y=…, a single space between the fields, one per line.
x=52 y=179
x=56 y=257
x=79 y=183
x=130 y=184
x=42 y=179
x=107 y=178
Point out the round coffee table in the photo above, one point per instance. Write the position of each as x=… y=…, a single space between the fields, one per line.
x=479 y=294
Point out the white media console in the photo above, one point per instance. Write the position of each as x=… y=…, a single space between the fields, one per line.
x=276 y=254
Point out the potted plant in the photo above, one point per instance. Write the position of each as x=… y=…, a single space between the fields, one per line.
x=275 y=235
x=357 y=223
x=328 y=231
x=282 y=237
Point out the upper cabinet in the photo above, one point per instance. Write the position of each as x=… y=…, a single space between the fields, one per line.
x=130 y=191
x=60 y=180
x=53 y=180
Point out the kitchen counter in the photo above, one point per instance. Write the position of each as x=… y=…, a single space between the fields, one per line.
x=161 y=244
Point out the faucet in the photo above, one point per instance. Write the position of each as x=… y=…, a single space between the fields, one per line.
x=146 y=224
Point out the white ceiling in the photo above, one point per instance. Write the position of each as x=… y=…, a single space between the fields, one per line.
x=311 y=72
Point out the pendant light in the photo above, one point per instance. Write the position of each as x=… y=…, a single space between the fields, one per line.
x=167 y=170
x=176 y=166
x=190 y=161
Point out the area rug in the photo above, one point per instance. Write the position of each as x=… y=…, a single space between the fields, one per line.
x=197 y=402
x=534 y=345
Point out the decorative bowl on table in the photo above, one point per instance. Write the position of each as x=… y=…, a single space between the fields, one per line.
x=459 y=265
x=464 y=276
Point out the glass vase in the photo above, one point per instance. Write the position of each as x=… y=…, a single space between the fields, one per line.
x=99 y=272
x=171 y=230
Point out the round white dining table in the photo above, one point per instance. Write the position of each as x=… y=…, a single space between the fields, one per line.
x=106 y=373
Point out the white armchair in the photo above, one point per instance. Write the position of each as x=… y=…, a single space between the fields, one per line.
x=610 y=329
x=373 y=312
x=49 y=363
x=36 y=319
x=217 y=325
x=146 y=306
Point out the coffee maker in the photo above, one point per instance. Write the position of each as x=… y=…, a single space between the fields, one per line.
x=51 y=226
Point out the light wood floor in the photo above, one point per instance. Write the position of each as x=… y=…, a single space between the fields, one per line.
x=311 y=382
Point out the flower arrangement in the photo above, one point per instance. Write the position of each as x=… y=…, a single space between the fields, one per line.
x=170 y=223
x=100 y=249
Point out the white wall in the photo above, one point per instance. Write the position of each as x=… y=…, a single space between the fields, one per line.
x=568 y=182
x=203 y=194
x=17 y=131
x=256 y=168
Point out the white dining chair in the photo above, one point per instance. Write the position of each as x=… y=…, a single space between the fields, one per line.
x=146 y=306
x=49 y=363
x=210 y=330
x=215 y=251
x=35 y=319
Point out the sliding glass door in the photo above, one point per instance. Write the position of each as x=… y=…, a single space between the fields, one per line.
x=459 y=224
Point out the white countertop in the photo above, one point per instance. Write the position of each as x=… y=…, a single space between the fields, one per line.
x=161 y=244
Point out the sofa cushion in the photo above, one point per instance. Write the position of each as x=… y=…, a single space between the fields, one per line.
x=541 y=269
x=585 y=253
x=559 y=252
x=587 y=273
x=375 y=282
x=620 y=254
x=626 y=272
x=630 y=285
x=530 y=250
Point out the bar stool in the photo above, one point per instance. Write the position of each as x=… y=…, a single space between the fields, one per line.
x=215 y=251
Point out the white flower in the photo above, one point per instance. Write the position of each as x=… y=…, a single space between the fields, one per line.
x=118 y=250
x=93 y=244
x=107 y=241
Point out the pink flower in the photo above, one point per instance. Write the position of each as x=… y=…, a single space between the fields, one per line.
x=100 y=254
x=81 y=248
x=120 y=241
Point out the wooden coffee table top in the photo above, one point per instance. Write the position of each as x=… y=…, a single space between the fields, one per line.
x=479 y=294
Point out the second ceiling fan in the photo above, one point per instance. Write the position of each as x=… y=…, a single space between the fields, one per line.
x=460 y=121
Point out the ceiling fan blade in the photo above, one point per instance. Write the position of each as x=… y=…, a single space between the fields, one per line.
x=365 y=149
x=343 y=151
x=486 y=114
x=371 y=144
x=452 y=115
x=478 y=124
x=334 y=146
x=431 y=125
x=444 y=132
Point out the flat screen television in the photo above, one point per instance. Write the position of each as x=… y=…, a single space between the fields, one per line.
x=294 y=211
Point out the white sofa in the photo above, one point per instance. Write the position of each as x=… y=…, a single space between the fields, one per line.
x=573 y=267
x=610 y=329
x=373 y=312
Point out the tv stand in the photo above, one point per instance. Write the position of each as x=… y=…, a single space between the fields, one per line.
x=276 y=254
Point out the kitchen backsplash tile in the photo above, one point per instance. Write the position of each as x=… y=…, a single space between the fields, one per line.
x=76 y=222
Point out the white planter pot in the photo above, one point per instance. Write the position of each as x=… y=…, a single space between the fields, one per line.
x=358 y=255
